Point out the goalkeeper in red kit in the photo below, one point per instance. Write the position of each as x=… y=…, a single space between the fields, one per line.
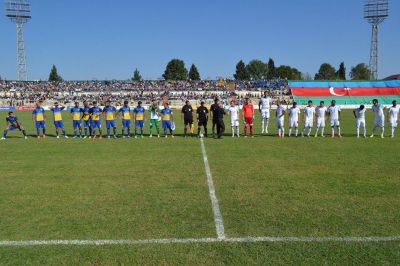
x=248 y=117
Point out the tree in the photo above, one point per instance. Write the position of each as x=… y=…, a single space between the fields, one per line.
x=54 y=77
x=288 y=72
x=341 y=73
x=136 y=76
x=271 y=69
x=175 y=70
x=257 y=70
x=194 y=73
x=241 y=71
x=360 y=72
x=326 y=72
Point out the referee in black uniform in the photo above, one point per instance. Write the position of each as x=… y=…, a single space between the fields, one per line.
x=219 y=119
x=213 y=109
x=202 y=119
x=187 y=113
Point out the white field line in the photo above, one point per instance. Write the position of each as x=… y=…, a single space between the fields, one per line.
x=221 y=238
x=196 y=240
x=219 y=223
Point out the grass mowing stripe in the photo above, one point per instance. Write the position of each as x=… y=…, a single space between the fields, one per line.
x=219 y=223
x=195 y=240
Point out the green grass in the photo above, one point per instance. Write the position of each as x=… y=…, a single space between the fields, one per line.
x=157 y=188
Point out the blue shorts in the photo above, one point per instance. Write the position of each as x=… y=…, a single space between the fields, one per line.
x=12 y=128
x=126 y=123
x=76 y=123
x=111 y=123
x=96 y=123
x=59 y=124
x=167 y=124
x=40 y=124
x=87 y=123
x=139 y=123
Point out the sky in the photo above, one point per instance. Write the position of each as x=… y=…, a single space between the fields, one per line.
x=108 y=39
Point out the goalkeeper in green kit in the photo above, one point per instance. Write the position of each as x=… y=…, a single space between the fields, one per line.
x=154 y=118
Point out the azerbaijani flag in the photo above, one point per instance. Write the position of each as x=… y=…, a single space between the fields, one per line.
x=346 y=93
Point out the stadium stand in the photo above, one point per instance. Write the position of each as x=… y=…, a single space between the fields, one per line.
x=28 y=93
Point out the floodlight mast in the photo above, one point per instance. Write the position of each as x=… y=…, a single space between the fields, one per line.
x=375 y=12
x=19 y=12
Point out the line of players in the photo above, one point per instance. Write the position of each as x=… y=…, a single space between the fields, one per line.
x=333 y=112
x=87 y=120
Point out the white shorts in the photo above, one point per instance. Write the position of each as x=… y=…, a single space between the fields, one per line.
x=280 y=122
x=321 y=122
x=294 y=123
x=234 y=123
x=393 y=123
x=265 y=114
x=308 y=123
x=335 y=123
x=379 y=122
x=360 y=123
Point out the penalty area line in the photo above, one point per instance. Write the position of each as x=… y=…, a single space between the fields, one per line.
x=197 y=240
x=219 y=223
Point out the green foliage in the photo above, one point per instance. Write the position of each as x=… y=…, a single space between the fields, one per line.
x=341 y=73
x=271 y=69
x=360 y=72
x=326 y=72
x=288 y=72
x=257 y=70
x=136 y=76
x=54 y=77
x=175 y=70
x=241 y=71
x=194 y=73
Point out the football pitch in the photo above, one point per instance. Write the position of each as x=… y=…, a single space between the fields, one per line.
x=189 y=201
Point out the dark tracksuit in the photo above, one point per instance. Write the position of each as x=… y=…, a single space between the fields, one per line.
x=219 y=120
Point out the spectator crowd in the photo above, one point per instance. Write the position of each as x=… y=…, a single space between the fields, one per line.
x=67 y=92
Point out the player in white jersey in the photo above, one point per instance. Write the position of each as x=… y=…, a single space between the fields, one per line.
x=309 y=113
x=265 y=106
x=379 y=121
x=359 y=114
x=280 y=119
x=320 y=113
x=234 y=112
x=334 y=113
x=393 y=114
x=294 y=118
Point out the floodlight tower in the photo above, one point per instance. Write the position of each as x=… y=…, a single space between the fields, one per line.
x=19 y=12
x=375 y=12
